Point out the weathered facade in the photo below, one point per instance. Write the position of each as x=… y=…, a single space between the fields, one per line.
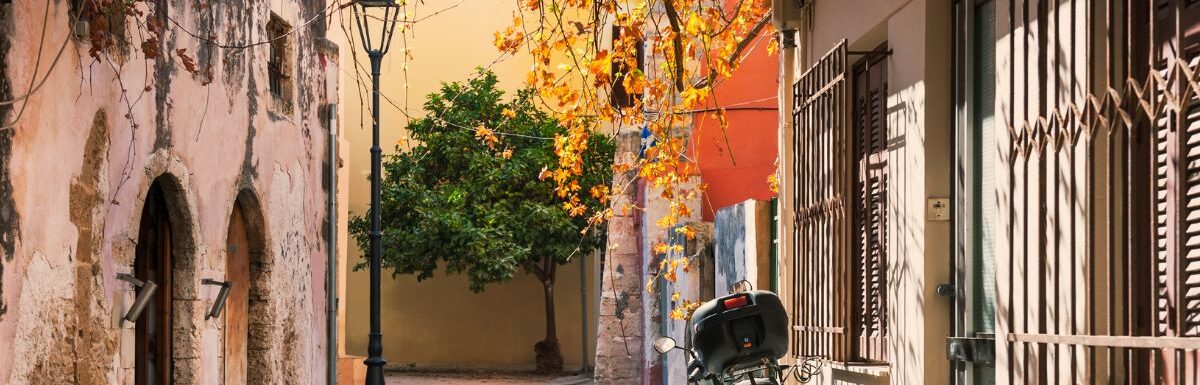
x=991 y=191
x=193 y=151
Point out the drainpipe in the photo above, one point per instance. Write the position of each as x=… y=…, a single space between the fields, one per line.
x=331 y=299
x=664 y=317
x=783 y=210
x=774 y=261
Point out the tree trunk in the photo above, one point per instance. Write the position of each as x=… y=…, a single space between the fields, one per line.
x=549 y=355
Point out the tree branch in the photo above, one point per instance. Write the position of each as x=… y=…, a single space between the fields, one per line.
x=762 y=23
x=537 y=271
x=677 y=43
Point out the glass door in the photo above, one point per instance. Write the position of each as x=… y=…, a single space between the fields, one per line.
x=977 y=210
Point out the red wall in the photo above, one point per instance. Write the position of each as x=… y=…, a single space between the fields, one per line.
x=737 y=170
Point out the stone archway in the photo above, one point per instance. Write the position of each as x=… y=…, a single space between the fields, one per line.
x=152 y=263
x=165 y=255
x=248 y=319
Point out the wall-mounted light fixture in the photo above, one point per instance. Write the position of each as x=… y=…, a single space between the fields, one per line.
x=145 y=292
x=788 y=38
x=219 y=304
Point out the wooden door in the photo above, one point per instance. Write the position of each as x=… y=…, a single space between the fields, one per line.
x=153 y=263
x=237 y=272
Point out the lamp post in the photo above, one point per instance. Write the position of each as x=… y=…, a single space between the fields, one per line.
x=366 y=14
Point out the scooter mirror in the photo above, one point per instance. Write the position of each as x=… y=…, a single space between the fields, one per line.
x=664 y=344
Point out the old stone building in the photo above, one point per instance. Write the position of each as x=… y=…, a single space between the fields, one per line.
x=171 y=151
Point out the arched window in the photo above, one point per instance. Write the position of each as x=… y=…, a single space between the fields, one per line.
x=153 y=263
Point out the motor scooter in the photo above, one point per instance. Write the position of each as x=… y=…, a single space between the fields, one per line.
x=737 y=339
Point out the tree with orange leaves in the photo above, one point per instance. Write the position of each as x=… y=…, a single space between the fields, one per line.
x=633 y=63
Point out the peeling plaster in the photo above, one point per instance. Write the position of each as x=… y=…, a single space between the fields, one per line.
x=9 y=218
x=164 y=74
x=95 y=345
x=207 y=18
x=63 y=300
x=46 y=325
x=249 y=167
x=622 y=304
x=236 y=30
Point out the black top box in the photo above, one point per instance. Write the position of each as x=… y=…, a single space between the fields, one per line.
x=740 y=330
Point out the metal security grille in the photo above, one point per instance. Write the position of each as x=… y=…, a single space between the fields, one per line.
x=820 y=289
x=278 y=73
x=1102 y=281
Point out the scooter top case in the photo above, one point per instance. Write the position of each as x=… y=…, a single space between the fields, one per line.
x=740 y=329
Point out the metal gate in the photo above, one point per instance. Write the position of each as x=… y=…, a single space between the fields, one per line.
x=1102 y=281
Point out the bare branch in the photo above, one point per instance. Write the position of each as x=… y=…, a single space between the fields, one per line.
x=676 y=43
x=737 y=52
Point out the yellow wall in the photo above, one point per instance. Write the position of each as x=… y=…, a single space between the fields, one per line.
x=439 y=323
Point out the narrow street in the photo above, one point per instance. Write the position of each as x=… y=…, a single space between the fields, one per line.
x=618 y=192
x=436 y=378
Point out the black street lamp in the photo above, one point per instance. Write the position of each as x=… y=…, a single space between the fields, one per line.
x=384 y=15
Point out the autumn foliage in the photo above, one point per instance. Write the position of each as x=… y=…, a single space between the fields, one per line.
x=671 y=53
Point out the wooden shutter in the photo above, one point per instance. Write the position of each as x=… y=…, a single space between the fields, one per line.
x=822 y=182
x=869 y=257
x=1176 y=119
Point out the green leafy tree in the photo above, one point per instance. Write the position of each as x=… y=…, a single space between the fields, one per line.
x=469 y=196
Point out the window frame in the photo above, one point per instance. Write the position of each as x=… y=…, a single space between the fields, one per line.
x=280 y=64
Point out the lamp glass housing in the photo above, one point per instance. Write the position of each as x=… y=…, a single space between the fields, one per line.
x=376 y=21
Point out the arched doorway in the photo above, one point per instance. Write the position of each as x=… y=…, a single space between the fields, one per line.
x=245 y=269
x=237 y=307
x=153 y=262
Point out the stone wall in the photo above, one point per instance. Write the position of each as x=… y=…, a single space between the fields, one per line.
x=77 y=164
x=635 y=302
x=619 y=350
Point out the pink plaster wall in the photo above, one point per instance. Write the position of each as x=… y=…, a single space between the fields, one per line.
x=216 y=139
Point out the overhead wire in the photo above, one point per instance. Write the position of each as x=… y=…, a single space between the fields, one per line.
x=177 y=25
x=36 y=67
x=359 y=70
x=36 y=85
x=294 y=30
x=392 y=102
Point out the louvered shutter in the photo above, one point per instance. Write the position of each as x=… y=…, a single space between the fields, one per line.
x=1177 y=175
x=869 y=257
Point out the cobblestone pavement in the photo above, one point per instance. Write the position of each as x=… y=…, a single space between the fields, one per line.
x=440 y=378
